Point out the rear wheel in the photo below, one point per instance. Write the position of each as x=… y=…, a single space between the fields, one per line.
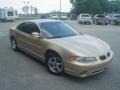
x=55 y=64
x=13 y=44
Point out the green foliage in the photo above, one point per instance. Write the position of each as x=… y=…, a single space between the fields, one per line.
x=95 y=6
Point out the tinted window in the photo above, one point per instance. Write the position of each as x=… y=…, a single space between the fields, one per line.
x=21 y=26
x=28 y=27
x=31 y=27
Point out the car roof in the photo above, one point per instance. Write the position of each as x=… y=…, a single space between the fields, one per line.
x=37 y=21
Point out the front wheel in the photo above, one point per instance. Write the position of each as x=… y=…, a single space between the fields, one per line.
x=55 y=64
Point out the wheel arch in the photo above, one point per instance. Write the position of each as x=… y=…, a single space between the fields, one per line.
x=51 y=51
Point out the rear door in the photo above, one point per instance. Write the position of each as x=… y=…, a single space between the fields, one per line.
x=27 y=41
x=21 y=35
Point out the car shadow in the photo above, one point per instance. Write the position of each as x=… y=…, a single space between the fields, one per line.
x=32 y=58
x=96 y=77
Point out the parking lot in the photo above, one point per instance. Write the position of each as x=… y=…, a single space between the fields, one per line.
x=19 y=71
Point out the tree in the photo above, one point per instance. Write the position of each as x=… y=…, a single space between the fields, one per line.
x=31 y=9
x=115 y=5
x=95 y=6
x=25 y=9
x=35 y=10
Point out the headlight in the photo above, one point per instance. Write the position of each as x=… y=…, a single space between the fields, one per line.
x=84 y=59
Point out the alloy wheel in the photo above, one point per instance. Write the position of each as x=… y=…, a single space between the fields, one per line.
x=55 y=65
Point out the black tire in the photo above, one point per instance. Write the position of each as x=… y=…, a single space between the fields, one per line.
x=3 y=20
x=54 y=67
x=81 y=23
x=115 y=23
x=89 y=23
x=13 y=44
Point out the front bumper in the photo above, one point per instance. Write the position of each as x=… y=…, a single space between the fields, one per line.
x=101 y=21
x=86 y=21
x=88 y=69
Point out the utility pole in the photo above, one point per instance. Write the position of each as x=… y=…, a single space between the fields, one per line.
x=26 y=7
x=75 y=7
x=60 y=9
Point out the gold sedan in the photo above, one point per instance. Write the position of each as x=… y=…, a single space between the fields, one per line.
x=61 y=47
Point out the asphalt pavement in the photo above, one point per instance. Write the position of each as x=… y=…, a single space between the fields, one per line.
x=19 y=71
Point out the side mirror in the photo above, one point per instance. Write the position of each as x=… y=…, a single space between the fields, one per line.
x=36 y=35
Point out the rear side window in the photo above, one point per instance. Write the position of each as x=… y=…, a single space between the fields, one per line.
x=21 y=26
x=28 y=27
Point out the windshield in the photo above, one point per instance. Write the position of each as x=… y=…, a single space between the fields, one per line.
x=102 y=16
x=85 y=16
x=117 y=16
x=57 y=30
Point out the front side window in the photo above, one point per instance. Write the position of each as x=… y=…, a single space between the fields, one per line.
x=57 y=30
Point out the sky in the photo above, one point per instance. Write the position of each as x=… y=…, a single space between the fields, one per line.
x=44 y=6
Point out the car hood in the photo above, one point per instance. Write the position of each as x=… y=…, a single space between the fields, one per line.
x=83 y=45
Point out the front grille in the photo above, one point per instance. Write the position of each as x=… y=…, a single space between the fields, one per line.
x=103 y=57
